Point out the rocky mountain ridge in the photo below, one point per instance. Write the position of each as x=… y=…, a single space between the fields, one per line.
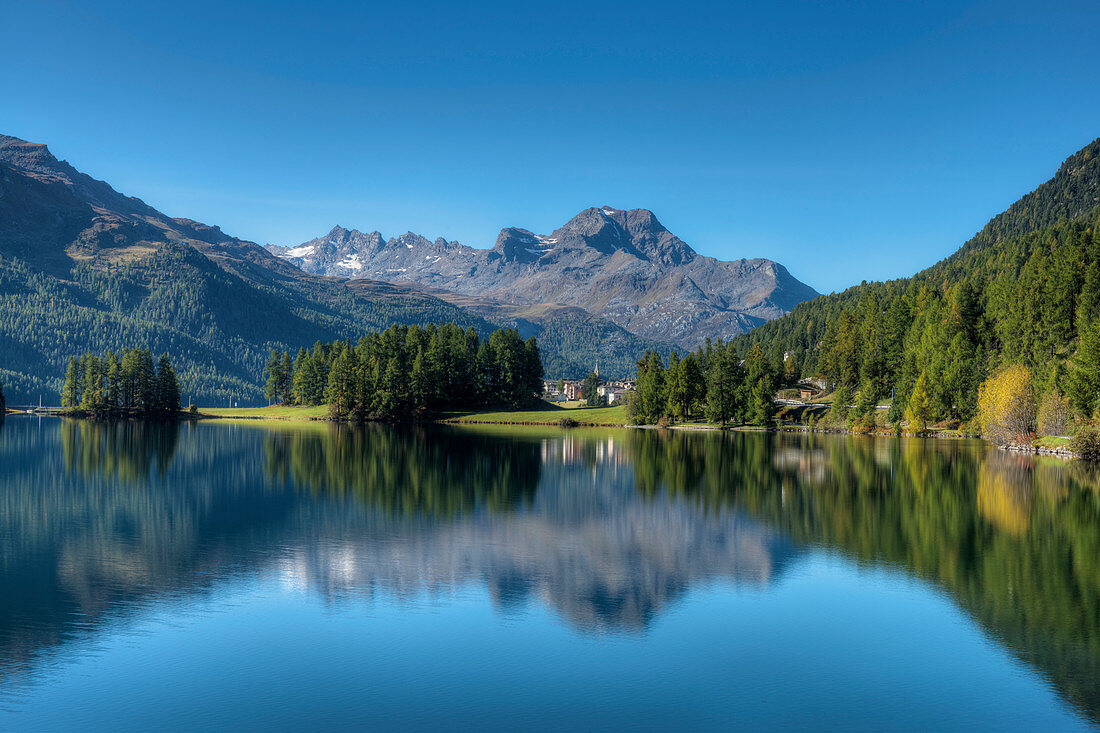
x=622 y=265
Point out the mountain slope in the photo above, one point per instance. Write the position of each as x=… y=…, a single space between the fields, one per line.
x=1024 y=289
x=620 y=265
x=83 y=267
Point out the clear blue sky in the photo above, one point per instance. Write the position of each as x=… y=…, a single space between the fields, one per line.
x=848 y=140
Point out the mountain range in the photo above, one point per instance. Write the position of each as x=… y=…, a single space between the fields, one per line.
x=624 y=266
x=86 y=268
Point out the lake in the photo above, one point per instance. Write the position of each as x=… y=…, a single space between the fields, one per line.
x=249 y=576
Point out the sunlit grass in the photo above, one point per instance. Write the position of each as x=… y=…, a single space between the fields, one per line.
x=549 y=415
x=274 y=412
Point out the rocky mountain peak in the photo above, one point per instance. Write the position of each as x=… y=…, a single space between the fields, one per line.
x=643 y=221
x=410 y=240
x=521 y=245
x=34 y=157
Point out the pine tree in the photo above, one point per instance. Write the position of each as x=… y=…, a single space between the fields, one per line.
x=275 y=378
x=70 y=391
x=649 y=402
x=390 y=398
x=93 y=389
x=341 y=389
x=762 y=385
x=533 y=371
x=286 y=374
x=166 y=391
x=420 y=385
x=114 y=379
x=725 y=386
x=1084 y=379
x=145 y=383
x=590 y=390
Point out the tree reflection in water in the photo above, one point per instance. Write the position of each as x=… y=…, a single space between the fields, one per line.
x=609 y=528
x=1015 y=539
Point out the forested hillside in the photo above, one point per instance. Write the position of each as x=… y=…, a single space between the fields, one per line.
x=85 y=269
x=218 y=327
x=1025 y=290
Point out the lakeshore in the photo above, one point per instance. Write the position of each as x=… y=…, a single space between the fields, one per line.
x=578 y=415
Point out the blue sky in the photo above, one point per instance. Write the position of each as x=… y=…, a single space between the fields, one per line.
x=847 y=140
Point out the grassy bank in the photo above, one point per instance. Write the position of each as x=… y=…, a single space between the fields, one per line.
x=275 y=412
x=549 y=415
x=546 y=414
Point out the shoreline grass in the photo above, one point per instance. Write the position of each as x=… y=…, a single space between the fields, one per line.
x=550 y=415
x=274 y=412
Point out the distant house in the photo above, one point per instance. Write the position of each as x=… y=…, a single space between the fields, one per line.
x=613 y=394
x=806 y=393
x=573 y=389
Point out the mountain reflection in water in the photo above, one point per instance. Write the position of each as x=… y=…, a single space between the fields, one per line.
x=606 y=528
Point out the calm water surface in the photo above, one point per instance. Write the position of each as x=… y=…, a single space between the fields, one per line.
x=221 y=576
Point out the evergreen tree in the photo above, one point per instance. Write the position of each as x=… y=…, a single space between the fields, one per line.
x=70 y=390
x=93 y=391
x=145 y=383
x=340 y=391
x=762 y=385
x=725 y=386
x=590 y=390
x=166 y=391
x=1084 y=381
x=114 y=380
x=286 y=376
x=420 y=385
x=273 y=369
x=649 y=402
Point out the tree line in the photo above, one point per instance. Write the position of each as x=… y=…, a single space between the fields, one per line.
x=930 y=341
x=409 y=372
x=126 y=384
x=715 y=382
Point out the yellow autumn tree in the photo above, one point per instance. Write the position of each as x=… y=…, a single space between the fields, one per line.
x=919 y=410
x=1055 y=411
x=1006 y=405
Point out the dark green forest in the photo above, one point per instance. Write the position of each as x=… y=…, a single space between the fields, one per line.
x=218 y=326
x=715 y=383
x=1025 y=290
x=409 y=372
x=127 y=384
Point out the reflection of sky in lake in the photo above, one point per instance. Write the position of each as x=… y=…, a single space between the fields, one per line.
x=419 y=578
